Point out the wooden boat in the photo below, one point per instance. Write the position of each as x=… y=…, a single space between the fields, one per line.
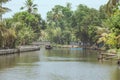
x=118 y=62
x=48 y=47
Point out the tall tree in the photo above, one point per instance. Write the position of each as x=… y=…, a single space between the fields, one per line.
x=7 y=37
x=86 y=21
x=114 y=26
x=3 y=9
x=59 y=18
x=30 y=6
x=111 y=5
x=30 y=20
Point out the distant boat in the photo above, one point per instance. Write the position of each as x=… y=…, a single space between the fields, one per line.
x=118 y=62
x=48 y=47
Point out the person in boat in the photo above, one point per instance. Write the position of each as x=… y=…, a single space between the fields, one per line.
x=118 y=62
x=48 y=46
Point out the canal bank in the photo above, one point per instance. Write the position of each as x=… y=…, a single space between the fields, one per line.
x=19 y=49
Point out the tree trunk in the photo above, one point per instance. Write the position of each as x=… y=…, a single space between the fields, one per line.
x=1 y=13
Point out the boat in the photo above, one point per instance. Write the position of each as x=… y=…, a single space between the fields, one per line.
x=118 y=62
x=48 y=47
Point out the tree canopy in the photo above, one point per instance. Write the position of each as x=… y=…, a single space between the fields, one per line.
x=64 y=25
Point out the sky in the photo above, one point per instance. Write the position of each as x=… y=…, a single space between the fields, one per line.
x=46 y=5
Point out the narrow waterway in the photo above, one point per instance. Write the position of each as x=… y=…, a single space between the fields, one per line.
x=57 y=64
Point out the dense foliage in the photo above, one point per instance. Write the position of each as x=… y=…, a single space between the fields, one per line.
x=85 y=25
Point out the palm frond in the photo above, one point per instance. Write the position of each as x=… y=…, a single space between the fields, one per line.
x=30 y=6
x=4 y=9
x=35 y=9
x=4 y=1
x=22 y=8
x=34 y=5
x=111 y=5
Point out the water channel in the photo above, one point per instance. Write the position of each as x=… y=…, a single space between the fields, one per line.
x=57 y=64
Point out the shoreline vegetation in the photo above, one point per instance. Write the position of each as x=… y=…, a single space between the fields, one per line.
x=86 y=26
x=111 y=54
x=104 y=54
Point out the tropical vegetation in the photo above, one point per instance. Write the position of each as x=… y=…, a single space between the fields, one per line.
x=63 y=25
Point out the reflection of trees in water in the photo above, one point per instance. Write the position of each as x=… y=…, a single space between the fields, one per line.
x=61 y=52
x=115 y=75
x=88 y=52
x=8 y=61
x=84 y=52
x=29 y=57
x=70 y=53
x=89 y=55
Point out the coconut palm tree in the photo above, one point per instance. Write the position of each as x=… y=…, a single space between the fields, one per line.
x=30 y=6
x=4 y=1
x=7 y=37
x=3 y=9
x=111 y=5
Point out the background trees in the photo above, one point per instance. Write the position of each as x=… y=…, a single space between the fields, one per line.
x=59 y=19
x=30 y=6
x=111 y=6
x=27 y=27
x=111 y=23
x=79 y=25
x=114 y=30
x=30 y=20
x=23 y=28
x=63 y=25
x=7 y=36
x=87 y=20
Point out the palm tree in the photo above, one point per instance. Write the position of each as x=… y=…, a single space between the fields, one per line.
x=111 y=5
x=7 y=36
x=3 y=9
x=30 y=6
x=4 y=1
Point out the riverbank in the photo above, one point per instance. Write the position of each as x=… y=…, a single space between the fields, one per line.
x=111 y=54
x=64 y=46
x=19 y=49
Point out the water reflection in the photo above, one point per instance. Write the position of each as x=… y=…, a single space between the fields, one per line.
x=29 y=57
x=115 y=74
x=57 y=64
x=8 y=61
x=71 y=54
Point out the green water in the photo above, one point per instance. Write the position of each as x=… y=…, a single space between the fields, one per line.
x=57 y=64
